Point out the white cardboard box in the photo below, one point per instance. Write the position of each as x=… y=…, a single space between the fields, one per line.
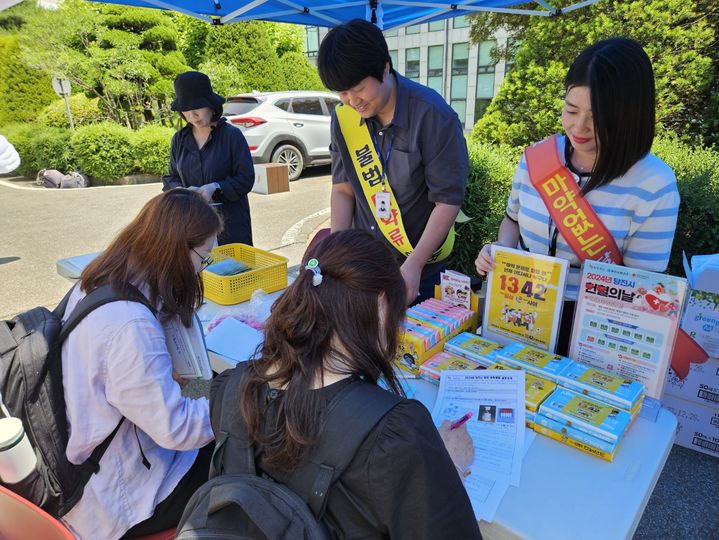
x=701 y=385
x=697 y=425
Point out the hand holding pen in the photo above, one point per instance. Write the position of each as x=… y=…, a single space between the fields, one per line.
x=458 y=443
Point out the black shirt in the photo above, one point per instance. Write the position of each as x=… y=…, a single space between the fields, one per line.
x=225 y=158
x=401 y=484
x=428 y=162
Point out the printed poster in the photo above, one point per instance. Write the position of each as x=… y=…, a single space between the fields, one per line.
x=525 y=294
x=626 y=322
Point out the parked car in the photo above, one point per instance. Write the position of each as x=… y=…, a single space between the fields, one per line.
x=285 y=127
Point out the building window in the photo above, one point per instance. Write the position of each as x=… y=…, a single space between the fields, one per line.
x=436 y=26
x=312 y=40
x=414 y=29
x=458 y=87
x=485 y=78
x=411 y=63
x=395 y=59
x=460 y=22
x=512 y=47
x=435 y=68
x=391 y=33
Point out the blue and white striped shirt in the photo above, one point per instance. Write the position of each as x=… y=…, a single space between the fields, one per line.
x=639 y=209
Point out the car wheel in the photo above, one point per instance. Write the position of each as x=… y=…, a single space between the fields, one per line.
x=292 y=156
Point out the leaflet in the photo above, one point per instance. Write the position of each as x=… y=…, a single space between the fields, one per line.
x=496 y=401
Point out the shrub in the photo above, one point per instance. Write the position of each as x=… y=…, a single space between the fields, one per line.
x=697 y=171
x=84 y=111
x=490 y=179
x=20 y=135
x=151 y=146
x=103 y=151
x=51 y=149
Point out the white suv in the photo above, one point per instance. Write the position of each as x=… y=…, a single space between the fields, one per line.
x=285 y=127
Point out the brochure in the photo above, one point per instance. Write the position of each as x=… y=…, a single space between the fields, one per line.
x=455 y=288
x=626 y=321
x=234 y=340
x=525 y=296
x=187 y=348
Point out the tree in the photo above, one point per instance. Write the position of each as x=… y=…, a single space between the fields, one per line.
x=285 y=37
x=246 y=47
x=299 y=73
x=675 y=34
x=25 y=91
x=126 y=57
x=193 y=34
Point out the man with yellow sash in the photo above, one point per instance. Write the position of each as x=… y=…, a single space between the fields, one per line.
x=399 y=157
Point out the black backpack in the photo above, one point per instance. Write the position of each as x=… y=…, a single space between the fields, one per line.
x=238 y=503
x=32 y=390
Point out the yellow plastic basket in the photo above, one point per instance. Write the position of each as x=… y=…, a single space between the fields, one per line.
x=269 y=273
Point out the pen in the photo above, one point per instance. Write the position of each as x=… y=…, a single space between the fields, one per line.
x=458 y=423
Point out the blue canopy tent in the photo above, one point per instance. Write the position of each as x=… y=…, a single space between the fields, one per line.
x=386 y=14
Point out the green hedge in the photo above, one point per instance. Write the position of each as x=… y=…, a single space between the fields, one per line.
x=490 y=178
x=151 y=146
x=104 y=151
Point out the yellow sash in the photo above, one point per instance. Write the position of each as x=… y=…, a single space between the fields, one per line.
x=368 y=168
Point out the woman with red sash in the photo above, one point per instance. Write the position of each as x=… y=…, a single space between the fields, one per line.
x=596 y=192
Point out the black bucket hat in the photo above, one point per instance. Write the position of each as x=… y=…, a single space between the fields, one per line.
x=193 y=90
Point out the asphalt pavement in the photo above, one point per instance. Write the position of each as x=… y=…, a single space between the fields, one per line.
x=40 y=226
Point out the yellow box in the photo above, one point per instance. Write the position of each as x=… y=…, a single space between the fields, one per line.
x=268 y=272
x=536 y=389
x=410 y=352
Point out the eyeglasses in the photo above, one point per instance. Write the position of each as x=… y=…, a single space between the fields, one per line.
x=204 y=261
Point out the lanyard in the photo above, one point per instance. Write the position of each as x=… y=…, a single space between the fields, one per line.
x=384 y=162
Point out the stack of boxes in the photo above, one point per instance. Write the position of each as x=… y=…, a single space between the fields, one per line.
x=426 y=328
x=695 y=399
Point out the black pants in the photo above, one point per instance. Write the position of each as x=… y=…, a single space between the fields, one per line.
x=168 y=513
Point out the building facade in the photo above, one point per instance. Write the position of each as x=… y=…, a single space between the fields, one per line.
x=441 y=56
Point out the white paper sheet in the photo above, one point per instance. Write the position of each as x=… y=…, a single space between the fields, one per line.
x=234 y=340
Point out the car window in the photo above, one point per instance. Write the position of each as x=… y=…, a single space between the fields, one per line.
x=283 y=104
x=307 y=106
x=331 y=104
x=239 y=106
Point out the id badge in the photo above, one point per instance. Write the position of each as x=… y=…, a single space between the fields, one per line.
x=382 y=205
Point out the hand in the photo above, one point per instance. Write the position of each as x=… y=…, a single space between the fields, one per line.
x=484 y=261
x=459 y=446
x=179 y=380
x=207 y=191
x=412 y=275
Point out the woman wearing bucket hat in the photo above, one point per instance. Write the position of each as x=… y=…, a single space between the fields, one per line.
x=211 y=156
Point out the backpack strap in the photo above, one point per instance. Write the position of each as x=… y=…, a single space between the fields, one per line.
x=94 y=299
x=351 y=416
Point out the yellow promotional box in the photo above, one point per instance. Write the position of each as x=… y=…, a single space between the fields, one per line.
x=536 y=389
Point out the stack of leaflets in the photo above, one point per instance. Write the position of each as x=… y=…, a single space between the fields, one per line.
x=583 y=422
x=540 y=363
x=187 y=348
x=431 y=370
x=536 y=389
x=424 y=330
x=473 y=347
x=455 y=288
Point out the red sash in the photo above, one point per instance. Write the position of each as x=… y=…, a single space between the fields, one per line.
x=585 y=233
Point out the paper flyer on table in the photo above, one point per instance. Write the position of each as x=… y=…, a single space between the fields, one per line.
x=525 y=294
x=626 y=322
x=496 y=401
x=234 y=339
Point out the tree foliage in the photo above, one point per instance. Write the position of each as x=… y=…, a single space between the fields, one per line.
x=25 y=91
x=677 y=35
x=247 y=48
x=126 y=57
x=299 y=73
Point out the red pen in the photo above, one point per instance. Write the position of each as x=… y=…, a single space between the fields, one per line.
x=461 y=421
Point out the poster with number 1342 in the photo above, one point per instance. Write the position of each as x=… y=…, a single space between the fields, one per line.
x=525 y=293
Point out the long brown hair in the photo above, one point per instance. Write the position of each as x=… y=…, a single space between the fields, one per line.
x=153 y=249
x=338 y=319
